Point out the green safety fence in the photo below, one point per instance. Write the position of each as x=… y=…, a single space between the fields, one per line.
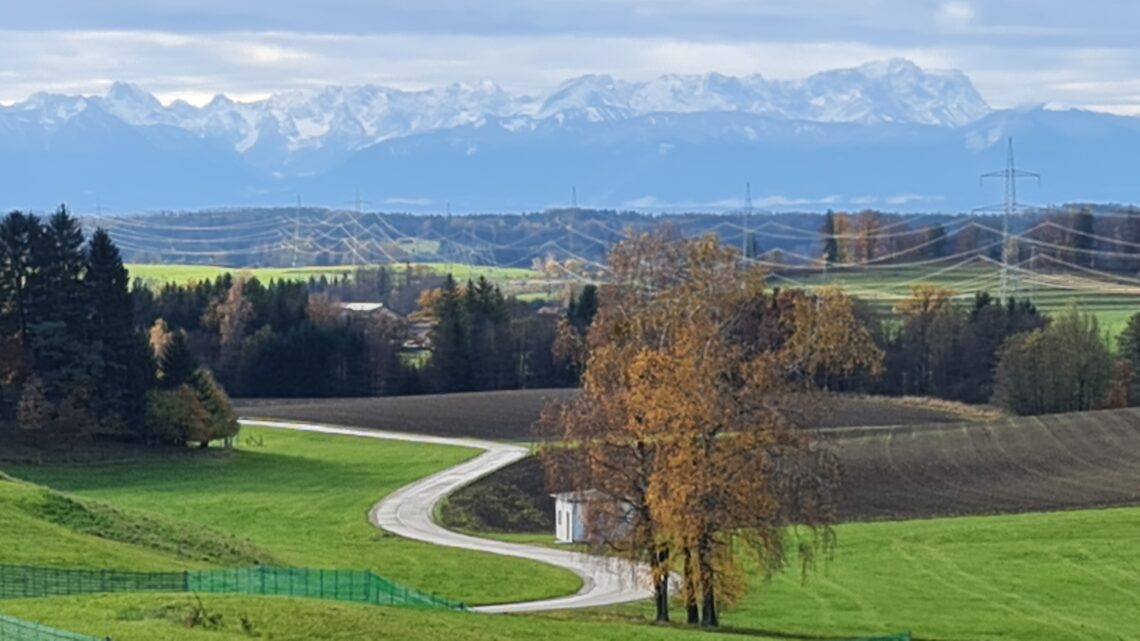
x=17 y=581
x=13 y=629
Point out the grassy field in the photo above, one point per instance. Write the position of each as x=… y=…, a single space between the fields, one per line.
x=304 y=499
x=1113 y=299
x=1064 y=576
x=160 y=618
x=1058 y=575
x=174 y=273
x=36 y=532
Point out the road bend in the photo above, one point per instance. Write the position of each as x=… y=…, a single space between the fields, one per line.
x=408 y=512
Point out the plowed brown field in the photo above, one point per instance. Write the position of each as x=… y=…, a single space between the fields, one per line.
x=509 y=415
x=1062 y=461
x=925 y=464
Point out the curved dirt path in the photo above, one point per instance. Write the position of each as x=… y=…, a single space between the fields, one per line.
x=407 y=512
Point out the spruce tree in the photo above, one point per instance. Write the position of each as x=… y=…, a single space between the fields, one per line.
x=128 y=367
x=451 y=354
x=60 y=258
x=177 y=363
x=18 y=234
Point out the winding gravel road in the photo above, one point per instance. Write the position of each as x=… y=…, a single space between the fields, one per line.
x=407 y=512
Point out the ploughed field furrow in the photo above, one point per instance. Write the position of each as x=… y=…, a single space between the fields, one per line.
x=510 y=415
x=1064 y=461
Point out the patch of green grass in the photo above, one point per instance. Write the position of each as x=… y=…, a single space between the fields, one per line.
x=1063 y=576
x=304 y=498
x=173 y=538
x=28 y=538
x=162 y=618
x=177 y=273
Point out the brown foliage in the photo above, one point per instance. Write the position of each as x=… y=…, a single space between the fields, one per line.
x=680 y=423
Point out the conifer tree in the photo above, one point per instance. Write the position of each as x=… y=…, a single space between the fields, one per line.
x=128 y=367
x=177 y=363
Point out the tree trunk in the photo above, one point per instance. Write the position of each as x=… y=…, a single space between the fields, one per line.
x=709 y=618
x=661 y=586
x=692 y=612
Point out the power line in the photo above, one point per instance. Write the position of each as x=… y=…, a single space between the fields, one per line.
x=747 y=216
x=1009 y=207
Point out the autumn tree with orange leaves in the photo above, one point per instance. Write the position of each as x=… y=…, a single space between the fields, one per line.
x=693 y=367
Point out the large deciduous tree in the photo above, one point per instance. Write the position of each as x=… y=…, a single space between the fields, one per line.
x=682 y=420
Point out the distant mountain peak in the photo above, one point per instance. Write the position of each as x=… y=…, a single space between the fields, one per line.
x=891 y=67
x=307 y=130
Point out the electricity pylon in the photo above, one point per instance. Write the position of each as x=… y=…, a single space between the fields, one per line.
x=1011 y=174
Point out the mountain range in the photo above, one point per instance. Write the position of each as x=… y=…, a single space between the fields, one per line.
x=886 y=134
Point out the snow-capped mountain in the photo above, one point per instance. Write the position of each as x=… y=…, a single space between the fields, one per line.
x=349 y=118
x=889 y=91
x=886 y=134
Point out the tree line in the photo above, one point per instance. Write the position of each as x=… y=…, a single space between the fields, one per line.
x=292 y=339
x=1007 y=353
x=73 y=362
x=1050 y=240
x=1106 y=236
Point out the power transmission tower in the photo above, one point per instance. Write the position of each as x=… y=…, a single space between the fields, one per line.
x=574 y=197
x=745 y=218
x=1011 y=174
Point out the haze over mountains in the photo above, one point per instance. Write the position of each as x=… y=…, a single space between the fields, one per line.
x=887 y=135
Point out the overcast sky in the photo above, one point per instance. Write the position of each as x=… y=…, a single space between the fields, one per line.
x=1058 y=52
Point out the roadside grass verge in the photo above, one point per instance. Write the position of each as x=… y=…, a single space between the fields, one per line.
x=304 y=499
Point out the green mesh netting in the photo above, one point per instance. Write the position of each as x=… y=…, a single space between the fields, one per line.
x=13 y=629
x=18 y=581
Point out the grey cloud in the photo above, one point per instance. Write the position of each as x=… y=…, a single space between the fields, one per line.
x=1017 y=51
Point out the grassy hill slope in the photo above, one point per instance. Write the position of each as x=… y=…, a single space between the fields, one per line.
x=305 y=498
x=42 y=527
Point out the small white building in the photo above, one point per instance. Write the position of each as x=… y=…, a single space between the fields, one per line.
x=570 y=515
